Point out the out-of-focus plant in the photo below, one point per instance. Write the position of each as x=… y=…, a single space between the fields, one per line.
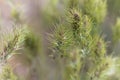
x=81 y=48
x=113 y=8
x=10 y=44
x=21 y=40
x=7 y=74
x=96 y=9
x=116 y=31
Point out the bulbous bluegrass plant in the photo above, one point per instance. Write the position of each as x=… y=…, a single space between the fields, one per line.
x=10 y=43
x=76 y=43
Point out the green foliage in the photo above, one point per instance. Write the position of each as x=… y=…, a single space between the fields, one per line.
x=72 y=4
x=61 y=39
x=116 y=31
x=15 y=12
x=96 y=9
x=86 y=56
x=31 y=44
x=51 y=13
x=113 y=7
x=7 y=74
x=12 y=42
